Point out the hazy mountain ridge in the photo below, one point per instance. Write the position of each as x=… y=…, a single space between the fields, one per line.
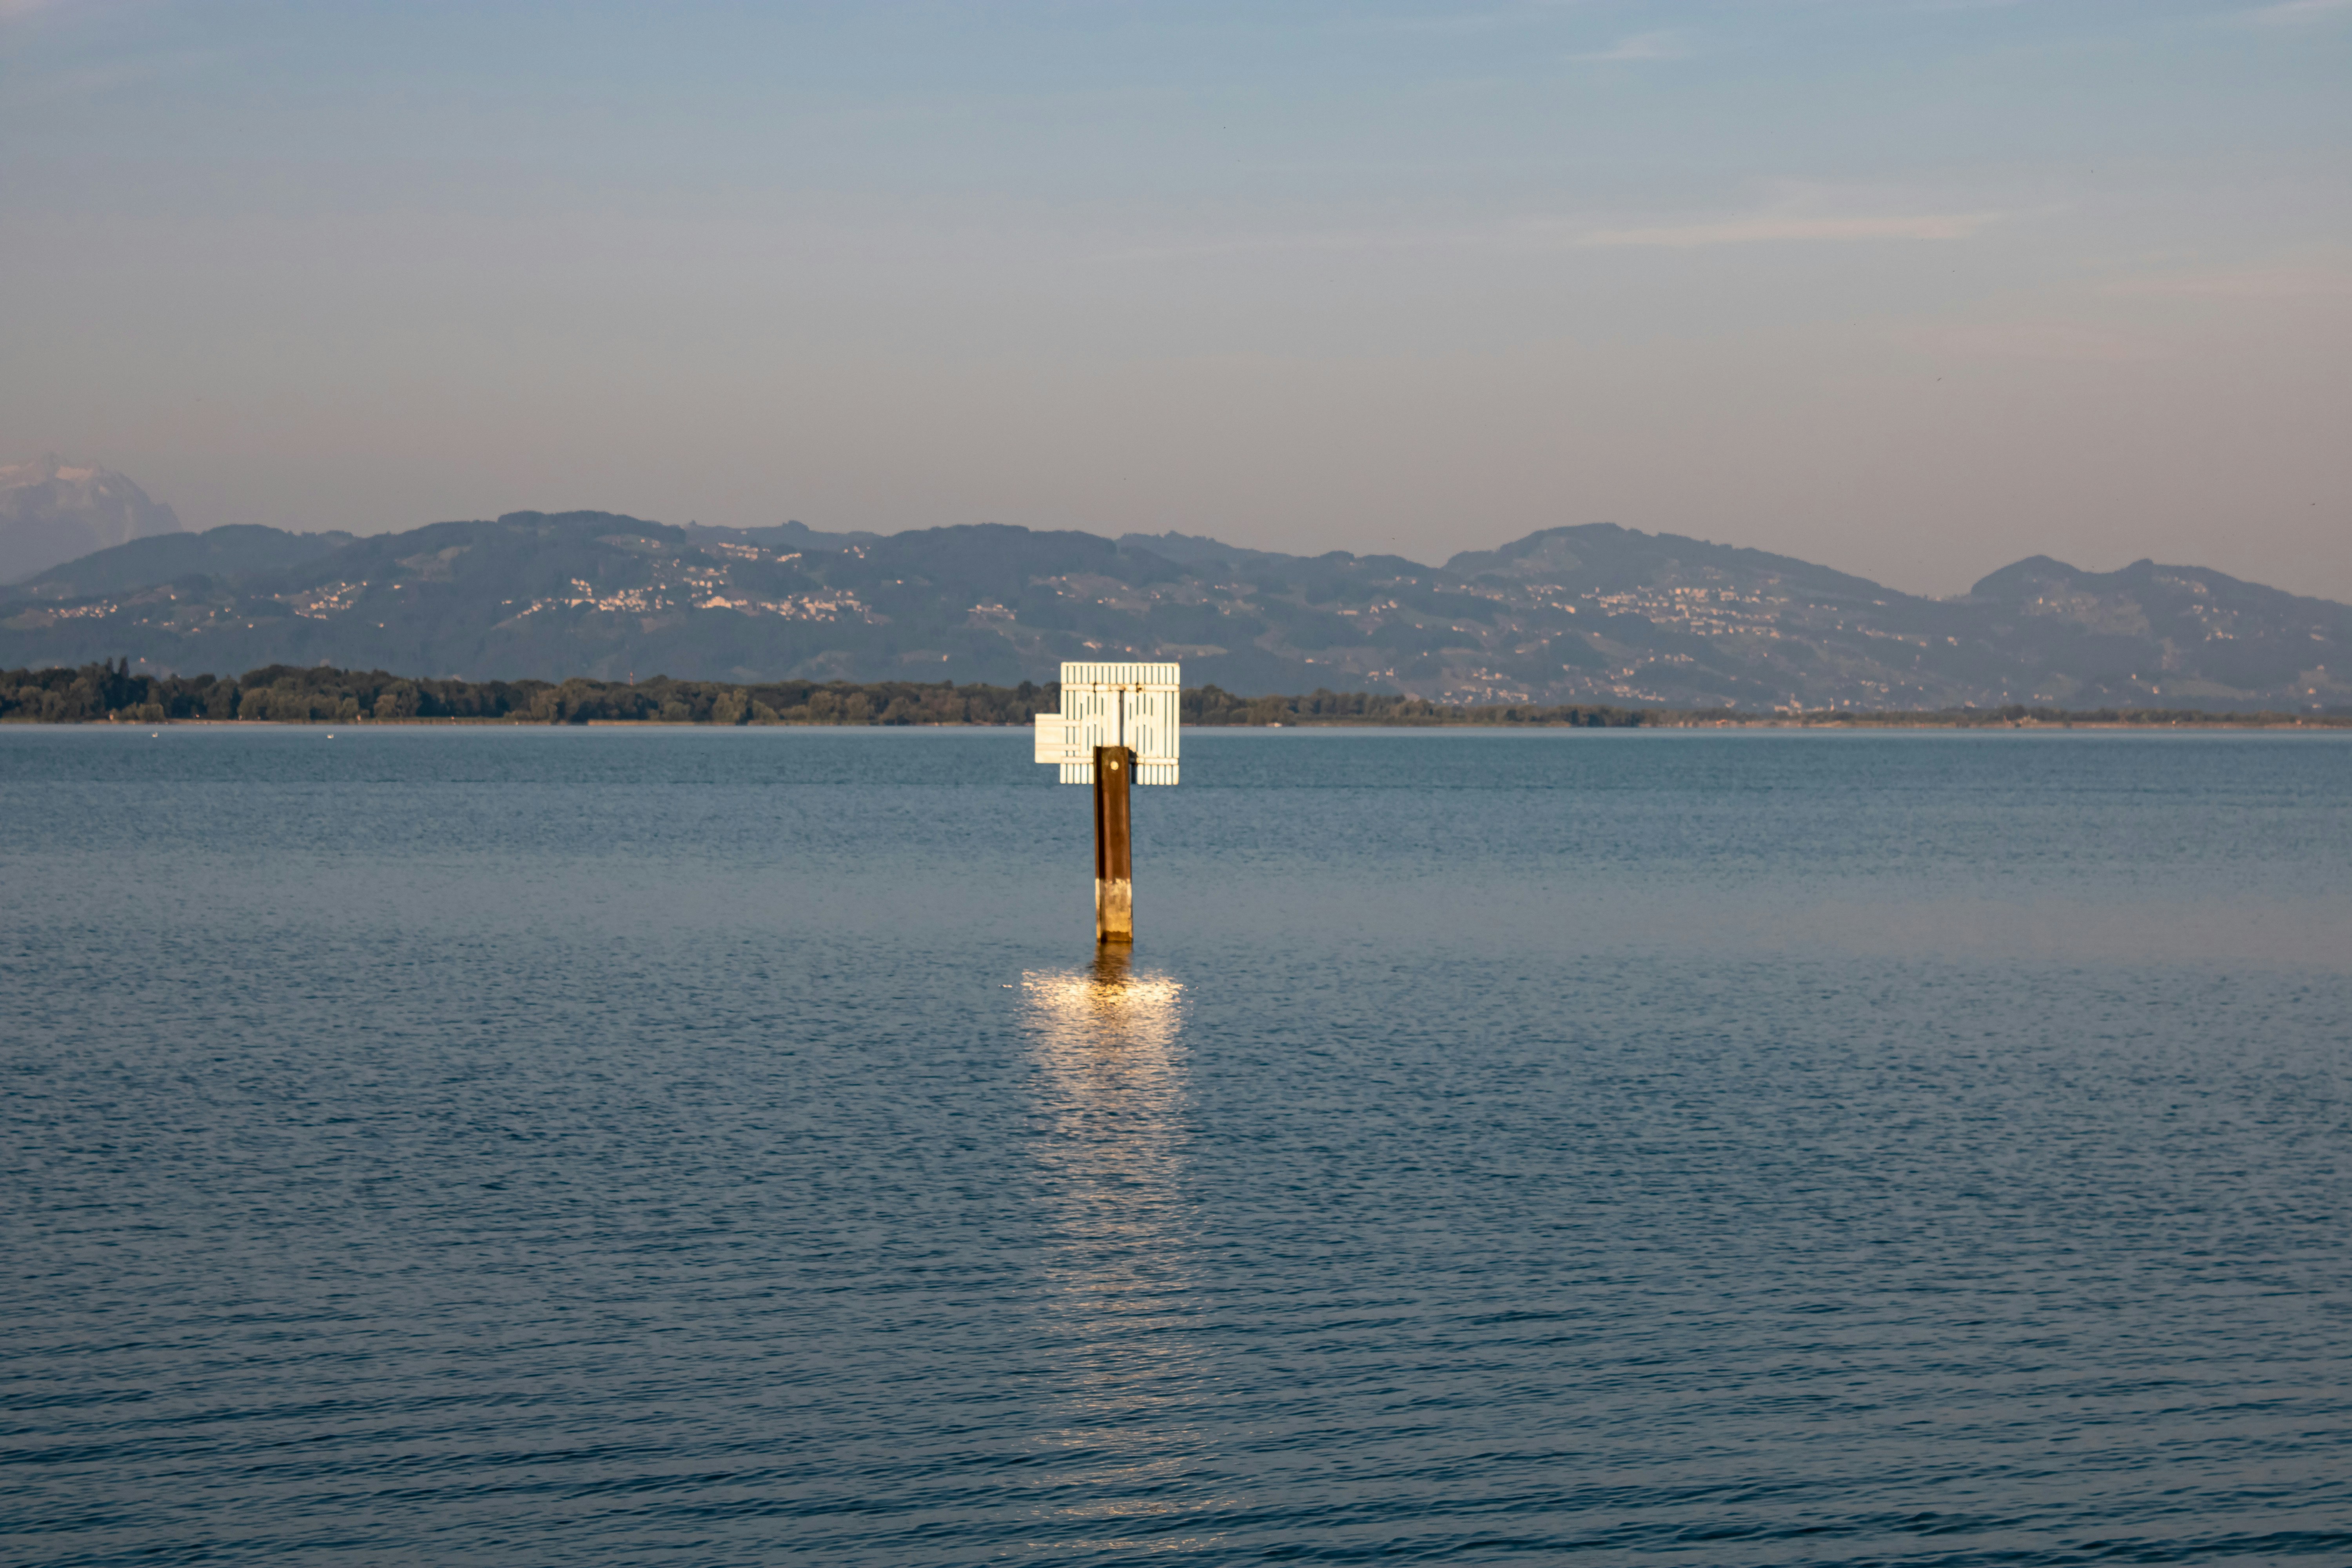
x=1588 y=613
x=53 y=511
x=233 y=552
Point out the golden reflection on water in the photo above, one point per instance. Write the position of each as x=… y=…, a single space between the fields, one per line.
x=1108 y=1043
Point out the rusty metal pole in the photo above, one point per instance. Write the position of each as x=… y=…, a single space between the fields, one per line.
x=1114 y=853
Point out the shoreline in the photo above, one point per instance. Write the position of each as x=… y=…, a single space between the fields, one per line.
x=322 y=694
x=2315 y=724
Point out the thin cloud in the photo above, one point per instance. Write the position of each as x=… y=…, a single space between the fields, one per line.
x=2300 y=12
x=1767 y=228
x=2315 y=282
x=1661 y=46
x=1549 y=234
x=1461 y=19
x=2062 y=342
x=65 y=86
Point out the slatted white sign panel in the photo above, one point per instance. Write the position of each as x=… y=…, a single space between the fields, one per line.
x=1114 y=705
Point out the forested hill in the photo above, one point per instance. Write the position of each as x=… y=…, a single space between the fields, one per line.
x=1590 y=615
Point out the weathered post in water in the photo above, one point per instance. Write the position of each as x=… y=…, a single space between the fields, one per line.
x=1116 y=729
x=1114 y=845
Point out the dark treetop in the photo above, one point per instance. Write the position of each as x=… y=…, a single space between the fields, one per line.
x=111 y=692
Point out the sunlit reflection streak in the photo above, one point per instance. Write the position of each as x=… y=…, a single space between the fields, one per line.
x=1108 y=1044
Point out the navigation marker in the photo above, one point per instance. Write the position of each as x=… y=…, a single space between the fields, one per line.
x=1116 y=729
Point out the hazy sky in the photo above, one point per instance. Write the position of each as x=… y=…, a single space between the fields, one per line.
x=1910 y=286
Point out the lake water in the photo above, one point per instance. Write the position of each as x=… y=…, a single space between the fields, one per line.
x=645 y=1147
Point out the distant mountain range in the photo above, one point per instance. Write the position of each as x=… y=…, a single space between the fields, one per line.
x=1589 y=614
x=52 y=511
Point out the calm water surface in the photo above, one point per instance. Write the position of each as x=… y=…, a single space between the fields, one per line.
x=658 y=1147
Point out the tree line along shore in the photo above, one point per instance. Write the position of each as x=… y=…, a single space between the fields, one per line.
x=285 y=694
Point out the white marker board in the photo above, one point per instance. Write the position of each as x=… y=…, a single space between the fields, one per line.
x=1113 y=705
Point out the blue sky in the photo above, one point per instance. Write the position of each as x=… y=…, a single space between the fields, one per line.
x=1911 y=288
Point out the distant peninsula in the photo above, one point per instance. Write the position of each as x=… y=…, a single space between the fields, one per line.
x=111 y=692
